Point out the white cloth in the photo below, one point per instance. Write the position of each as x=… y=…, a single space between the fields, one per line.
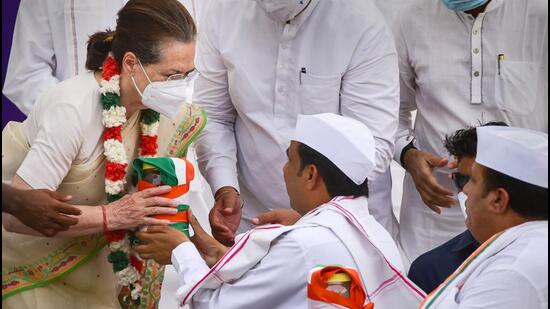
x=252 y=88
x=520 y=145
x=440 y=52
x=49 y=44
x=329 y=134
x=511 y=273
x=76 y=104
x=258 y=272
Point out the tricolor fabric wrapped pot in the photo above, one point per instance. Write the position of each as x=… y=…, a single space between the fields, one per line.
x=174 y=172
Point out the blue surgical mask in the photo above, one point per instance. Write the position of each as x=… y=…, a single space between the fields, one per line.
x=464 y=5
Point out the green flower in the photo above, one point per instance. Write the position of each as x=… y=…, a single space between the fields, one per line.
x=119 y=259
x=150 y=116
x=110 y=99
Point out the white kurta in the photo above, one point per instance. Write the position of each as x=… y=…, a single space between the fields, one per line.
x=49 y=44
x=512 y=272
x=252 y=88
x=279 y=281
x=516 y=277
x=273 y=272
x=449 y=74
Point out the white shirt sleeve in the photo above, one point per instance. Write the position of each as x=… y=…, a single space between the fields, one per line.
x=271 y=284
x=407 y=88
x=54 y=148
x=216 y=146
x=500 y=288
x=32 y=58
x=370 y=90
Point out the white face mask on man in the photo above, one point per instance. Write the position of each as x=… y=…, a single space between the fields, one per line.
x=165 y=97
x=283 y=10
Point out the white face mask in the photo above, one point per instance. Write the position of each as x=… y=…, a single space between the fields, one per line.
x=165 y=97
x=283 y=10
x=462 y=197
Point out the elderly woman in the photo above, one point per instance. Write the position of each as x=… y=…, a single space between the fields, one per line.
x=79 y=139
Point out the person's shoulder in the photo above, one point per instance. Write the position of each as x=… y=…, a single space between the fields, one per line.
x=308 y=237
x=73 y=91
x=527 y=256
x=78 y=96
x=418 y=10
x=524 y=248
x=441 y=254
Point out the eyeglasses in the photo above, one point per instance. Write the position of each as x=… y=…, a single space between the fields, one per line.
x=460 y=180
x=188 y=77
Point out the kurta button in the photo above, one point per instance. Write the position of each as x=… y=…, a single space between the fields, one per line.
x=476 y=51
x=475 y=32
x=476 y=73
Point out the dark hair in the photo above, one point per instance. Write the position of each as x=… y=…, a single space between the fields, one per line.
x=141 y=26
x=527 y=200
x=463 y=143
x=337 y=183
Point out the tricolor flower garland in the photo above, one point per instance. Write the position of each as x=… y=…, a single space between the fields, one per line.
x=126 y=265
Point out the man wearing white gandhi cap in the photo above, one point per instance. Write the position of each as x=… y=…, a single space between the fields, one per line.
x=329 y=159
x=507 y=210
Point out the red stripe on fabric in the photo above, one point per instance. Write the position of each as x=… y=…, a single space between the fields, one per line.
x=383 y=285
x=214 y=268
x=398 y=273
x=217 y=267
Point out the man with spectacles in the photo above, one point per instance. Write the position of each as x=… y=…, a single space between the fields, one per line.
x=432 y=268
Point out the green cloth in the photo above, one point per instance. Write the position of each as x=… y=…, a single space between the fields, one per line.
x=164 y=164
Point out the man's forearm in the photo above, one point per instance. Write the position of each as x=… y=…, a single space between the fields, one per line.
x=9 y=198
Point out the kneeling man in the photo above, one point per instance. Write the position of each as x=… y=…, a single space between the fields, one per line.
x=268 y=267
x=507 y=209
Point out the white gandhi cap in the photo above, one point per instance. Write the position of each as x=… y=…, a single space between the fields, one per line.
x=519 y=153
x=346 y=142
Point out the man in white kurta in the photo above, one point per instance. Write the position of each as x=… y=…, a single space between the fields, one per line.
x=458 y=70
x=507 y=210
x=262 y=63
x=269 y=266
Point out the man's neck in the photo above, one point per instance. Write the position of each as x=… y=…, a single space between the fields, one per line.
x=475 y=12
x=508 y=224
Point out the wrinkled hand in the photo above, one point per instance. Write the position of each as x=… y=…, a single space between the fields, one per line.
x=278 y=216
x=45 y=211
x=134 y=209
x=420 y=165
x=158 y=242
x=225 y=216
x=210 y=249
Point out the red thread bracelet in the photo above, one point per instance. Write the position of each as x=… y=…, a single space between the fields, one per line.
x=104 y=211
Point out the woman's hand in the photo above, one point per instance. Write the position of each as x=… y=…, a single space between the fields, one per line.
x=135 y=209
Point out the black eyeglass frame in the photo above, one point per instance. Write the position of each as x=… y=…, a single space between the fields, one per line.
x=460 y=180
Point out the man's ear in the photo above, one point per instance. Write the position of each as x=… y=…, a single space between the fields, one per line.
x=499 y=201
x=312 y=176
x=129 y=62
